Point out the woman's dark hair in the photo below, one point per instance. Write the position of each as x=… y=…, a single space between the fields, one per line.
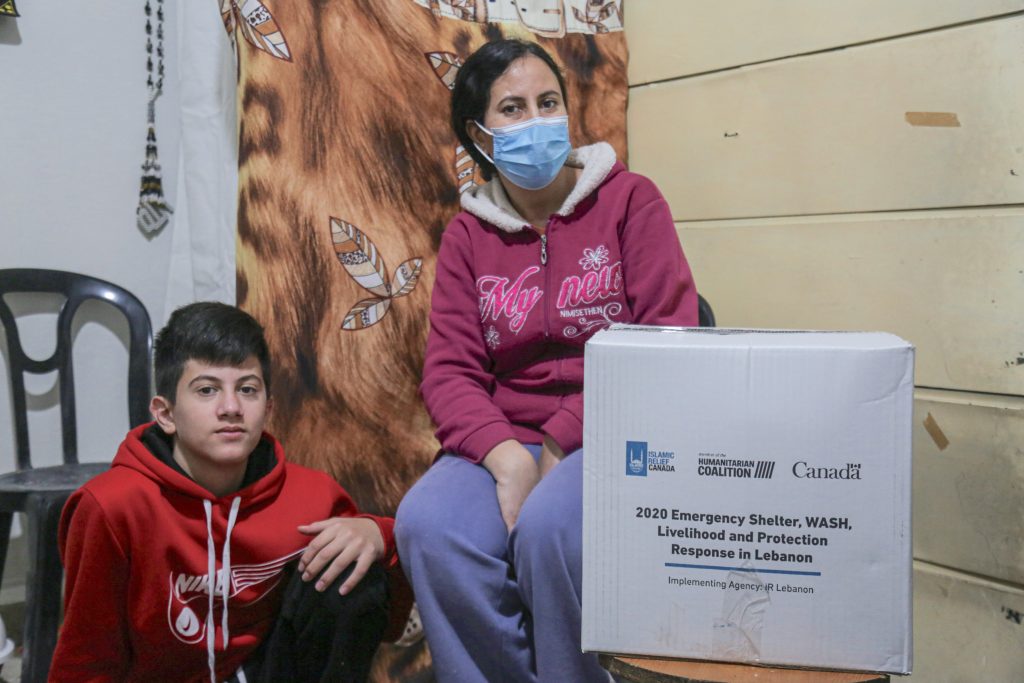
x=210 y=332
x=471 y=93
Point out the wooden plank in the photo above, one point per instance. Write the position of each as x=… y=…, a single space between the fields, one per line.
x=676 y=671
x=830 y=133
x=950 y=282
x=674 y=38
x=966 y=628
x=969 y=495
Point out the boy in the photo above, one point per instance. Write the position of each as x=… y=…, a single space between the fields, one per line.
x=178 y=558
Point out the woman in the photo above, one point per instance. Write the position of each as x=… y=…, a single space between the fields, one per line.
x=560 y=244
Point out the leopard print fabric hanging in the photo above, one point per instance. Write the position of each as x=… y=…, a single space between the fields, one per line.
x=348 y=173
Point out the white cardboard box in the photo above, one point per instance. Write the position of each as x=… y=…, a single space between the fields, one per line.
x=746 y=496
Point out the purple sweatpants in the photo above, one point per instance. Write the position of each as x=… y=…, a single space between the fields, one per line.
x=498 y=607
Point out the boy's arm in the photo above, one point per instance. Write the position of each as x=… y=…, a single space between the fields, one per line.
x=343 y=539
x=93 y=642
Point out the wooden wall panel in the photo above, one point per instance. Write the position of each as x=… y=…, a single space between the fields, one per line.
x=830 y=133
x=969 y=482
x=950 y=282
x=965 y=629
x=880 y=186
x=673 y=38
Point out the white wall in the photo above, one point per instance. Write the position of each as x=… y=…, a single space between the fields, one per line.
x=72 y=139
x=71 y=144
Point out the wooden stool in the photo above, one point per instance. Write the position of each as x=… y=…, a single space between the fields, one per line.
x=669 y=671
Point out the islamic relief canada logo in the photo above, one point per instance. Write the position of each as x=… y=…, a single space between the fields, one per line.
x=636 y=458
x=640 y=460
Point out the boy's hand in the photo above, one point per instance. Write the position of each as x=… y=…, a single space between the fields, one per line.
x=339 y=542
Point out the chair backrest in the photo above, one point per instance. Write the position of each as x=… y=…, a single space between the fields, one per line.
x=76 y=289
x=705 y=316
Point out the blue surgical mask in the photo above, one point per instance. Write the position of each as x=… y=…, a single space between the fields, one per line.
x=530 y=154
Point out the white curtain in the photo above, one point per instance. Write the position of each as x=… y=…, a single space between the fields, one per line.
x=202 y=265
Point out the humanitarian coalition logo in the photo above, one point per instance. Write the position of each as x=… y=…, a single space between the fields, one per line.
x=640 y=460
x=718 y=465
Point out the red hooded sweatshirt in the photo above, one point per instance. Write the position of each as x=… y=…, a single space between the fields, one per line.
x=143 y=543
x=512 y=309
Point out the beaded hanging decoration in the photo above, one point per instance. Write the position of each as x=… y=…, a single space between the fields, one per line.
x=153 y=212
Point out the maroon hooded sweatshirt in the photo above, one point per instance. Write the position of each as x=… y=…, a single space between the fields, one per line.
x=512 y=309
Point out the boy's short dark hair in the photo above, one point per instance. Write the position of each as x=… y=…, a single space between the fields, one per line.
x=210 y=332
x=471 y=92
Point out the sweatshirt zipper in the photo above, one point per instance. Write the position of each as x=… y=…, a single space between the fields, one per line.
x=547 y=278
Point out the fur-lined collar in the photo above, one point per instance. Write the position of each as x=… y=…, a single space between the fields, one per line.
x=489 y=202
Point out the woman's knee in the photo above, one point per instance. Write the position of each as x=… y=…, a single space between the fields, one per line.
x=431 y=522
x=415 y=519
x=543 y=535
x=549 y=527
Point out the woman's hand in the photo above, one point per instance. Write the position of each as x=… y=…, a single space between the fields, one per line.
x=550 y=455
x=515 y=474
x=339 y=542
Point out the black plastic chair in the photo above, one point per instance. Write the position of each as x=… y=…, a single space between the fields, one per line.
x=705 y=316
x=42 y=492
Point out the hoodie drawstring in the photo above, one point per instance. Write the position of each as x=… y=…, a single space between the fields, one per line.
x=211 y=581
x=225 y=565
